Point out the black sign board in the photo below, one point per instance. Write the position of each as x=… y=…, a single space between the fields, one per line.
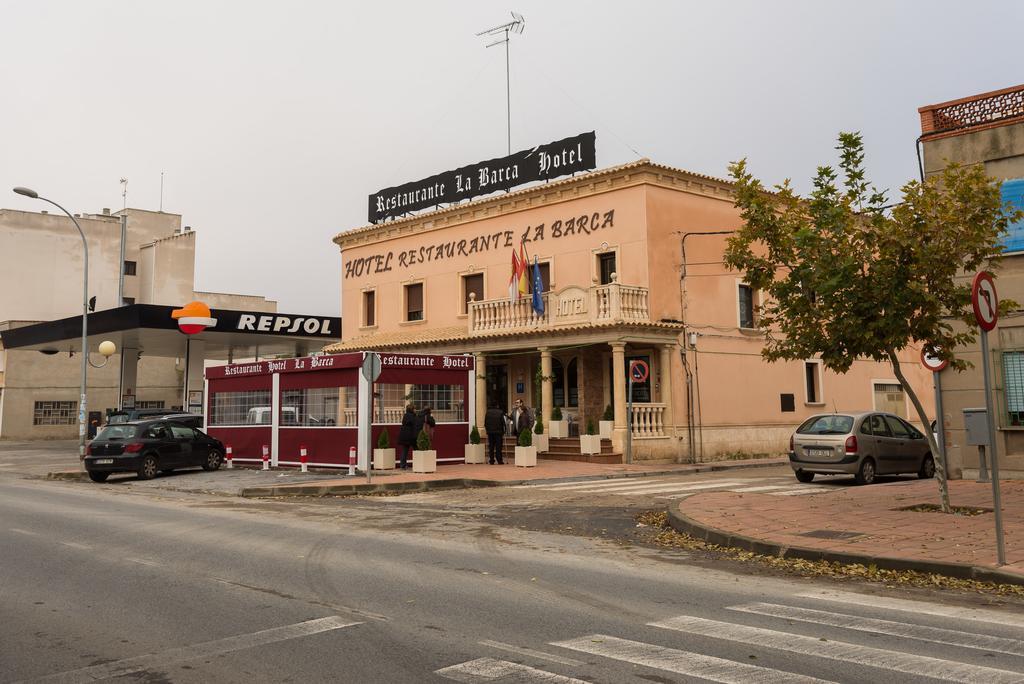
x=543 y=162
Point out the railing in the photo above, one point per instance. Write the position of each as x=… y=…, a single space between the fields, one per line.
x=969 y=112
x=571 y=305
x=648 y=420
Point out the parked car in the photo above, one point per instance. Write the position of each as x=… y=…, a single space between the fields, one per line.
x=128 y=415
x=148 y=447
x=863 y=444
x=193 y=420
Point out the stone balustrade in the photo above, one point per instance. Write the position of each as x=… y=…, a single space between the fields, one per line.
x=648 y=420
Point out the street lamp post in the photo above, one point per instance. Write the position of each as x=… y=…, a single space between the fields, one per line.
x=106 y=348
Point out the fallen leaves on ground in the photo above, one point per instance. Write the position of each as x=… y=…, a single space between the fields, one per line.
x=663 y=535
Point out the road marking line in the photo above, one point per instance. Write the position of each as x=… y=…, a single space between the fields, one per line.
x=76 y=545
x=663 y=487
x=487 y=669
x=936 y=635
x=617 y=482
x=20 y=531
x=679 y=662
x=805 y=490
x=767 y=488
x=907 y=663
x=197 y=651
x=530 y=652
x=918 y=607
x=143 y=561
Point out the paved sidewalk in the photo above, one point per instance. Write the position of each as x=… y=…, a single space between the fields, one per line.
x=453 y=476
x=867 y=525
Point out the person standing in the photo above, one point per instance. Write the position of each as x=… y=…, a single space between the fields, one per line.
x=428 y=423
x=494 y=425
x=522 y=418
x=407 y=435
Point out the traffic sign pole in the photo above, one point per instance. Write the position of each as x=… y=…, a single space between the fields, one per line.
x=629 y=419
x=371 y=372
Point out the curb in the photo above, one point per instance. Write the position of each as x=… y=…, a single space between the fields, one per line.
x=354 y=489
x=685 y=525
x=67 y=475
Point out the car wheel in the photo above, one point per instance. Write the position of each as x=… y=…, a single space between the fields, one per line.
x=212 y=461
x=804 y=476
x=927 y=470
x=148 y=469
x=98 y=477
x=866 y=472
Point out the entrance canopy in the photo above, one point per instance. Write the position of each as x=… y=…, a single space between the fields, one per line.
x=152 y=329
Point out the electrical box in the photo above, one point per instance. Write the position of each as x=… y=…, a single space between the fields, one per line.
x=976 y=426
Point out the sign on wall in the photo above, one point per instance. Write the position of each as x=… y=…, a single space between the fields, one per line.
x=544 y=162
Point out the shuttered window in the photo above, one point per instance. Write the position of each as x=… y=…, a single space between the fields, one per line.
x=370 y=308
x=414 y=302
x=472 y=285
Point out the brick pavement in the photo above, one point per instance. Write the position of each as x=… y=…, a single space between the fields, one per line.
x=873 y=513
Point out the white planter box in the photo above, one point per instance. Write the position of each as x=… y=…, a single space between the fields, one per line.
x=476 y=453
x=590 y=444
x=424 y=461
x=558 y=428
x=605 y=428
x=541 y=442
x=383 y=459
x=526 y=457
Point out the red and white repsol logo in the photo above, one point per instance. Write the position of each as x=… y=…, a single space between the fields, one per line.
x=284 y=324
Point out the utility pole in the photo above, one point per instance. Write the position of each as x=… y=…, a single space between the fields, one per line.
x=515 y=26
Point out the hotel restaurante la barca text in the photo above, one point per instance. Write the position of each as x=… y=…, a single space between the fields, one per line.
x=629 y=260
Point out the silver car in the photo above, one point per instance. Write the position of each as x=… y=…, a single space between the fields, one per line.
x=860 y=444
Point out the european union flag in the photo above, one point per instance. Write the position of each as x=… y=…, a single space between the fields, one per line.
x=538 y=289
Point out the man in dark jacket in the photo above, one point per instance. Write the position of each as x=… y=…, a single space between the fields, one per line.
x=522 y=418
x=407 y=435
x=494 y=424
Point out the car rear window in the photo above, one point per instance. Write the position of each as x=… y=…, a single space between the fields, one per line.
x=827 y=425
x=116 y=418
x=118 y=432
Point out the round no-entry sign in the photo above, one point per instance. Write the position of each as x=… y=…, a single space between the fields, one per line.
x=639 y=370
x=985 y=301
x=932 y=363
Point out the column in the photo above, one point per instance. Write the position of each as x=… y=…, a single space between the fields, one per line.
x=665 y=366
x=195 y=355
x=545 y=387
x=481 y=393
x=619 y=383
x=128 y=384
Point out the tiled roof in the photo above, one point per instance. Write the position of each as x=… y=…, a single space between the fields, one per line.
x=414 y=338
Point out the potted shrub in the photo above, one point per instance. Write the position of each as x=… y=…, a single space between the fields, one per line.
x=607 y=423
x=384 y=454
x=540 y=440
x=558 y=427
x=475 y=451
x=526 y=453
x=424 y=458
x=590 y=443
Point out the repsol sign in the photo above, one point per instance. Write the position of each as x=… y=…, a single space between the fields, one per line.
x=284 y=324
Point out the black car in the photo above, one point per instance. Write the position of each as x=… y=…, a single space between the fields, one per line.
x=193 y=420
x=147 y=447
x=132 y=415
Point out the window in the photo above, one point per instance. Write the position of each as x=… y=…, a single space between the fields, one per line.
x=182 y=432
x=472 y=284
x=55 y=413
x=878 y=426
x=240 y=408
x=897 y=427
x=788 y=403
x=812 y=382
x=319 y=407
x=414 y=302
x=889 y=397
x=1013 y=382
x=447 y=402
x=745 y=295
x=149 y=404
x=606 y=266
x=571 y=380
x=128 y=301
x=557 y=383
x=129 y=268
x=545 y=276
x=370 y=308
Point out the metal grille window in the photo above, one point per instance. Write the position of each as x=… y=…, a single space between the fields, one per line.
x=746 y=302
x=129 y=268
x=55 y=413
x=149 y=404
x=1013 y=383
x=319 y=407
x=240 y=408
x=414 y=302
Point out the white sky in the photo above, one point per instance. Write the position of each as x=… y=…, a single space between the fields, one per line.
x=273 y=121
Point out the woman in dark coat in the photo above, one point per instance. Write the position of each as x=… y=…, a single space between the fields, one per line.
x=407 y=435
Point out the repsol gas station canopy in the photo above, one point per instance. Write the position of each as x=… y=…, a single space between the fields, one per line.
x=165 y=330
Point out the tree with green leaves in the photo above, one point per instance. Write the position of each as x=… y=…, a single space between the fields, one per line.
x=847 y=275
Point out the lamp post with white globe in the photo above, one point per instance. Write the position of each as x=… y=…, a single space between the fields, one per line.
x=106 y=348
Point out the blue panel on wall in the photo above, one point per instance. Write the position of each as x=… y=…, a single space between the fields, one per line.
x=1013 y=192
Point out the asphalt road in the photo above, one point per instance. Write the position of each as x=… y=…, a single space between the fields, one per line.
x=136 y=584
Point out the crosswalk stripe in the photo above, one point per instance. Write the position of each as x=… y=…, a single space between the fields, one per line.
x=917 y=607
x=679 y=662
x=763 y=488
x=906 y=663
x=487 y=669
x=617 y=482
x=672 y=488
x=805 y=489
x=949 y=637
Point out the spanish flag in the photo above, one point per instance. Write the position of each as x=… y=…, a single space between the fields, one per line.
x=524 y=268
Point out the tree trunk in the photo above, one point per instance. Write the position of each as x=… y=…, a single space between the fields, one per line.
x=940 y=467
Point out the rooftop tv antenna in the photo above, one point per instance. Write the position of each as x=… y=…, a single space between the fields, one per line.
x=502 y=33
